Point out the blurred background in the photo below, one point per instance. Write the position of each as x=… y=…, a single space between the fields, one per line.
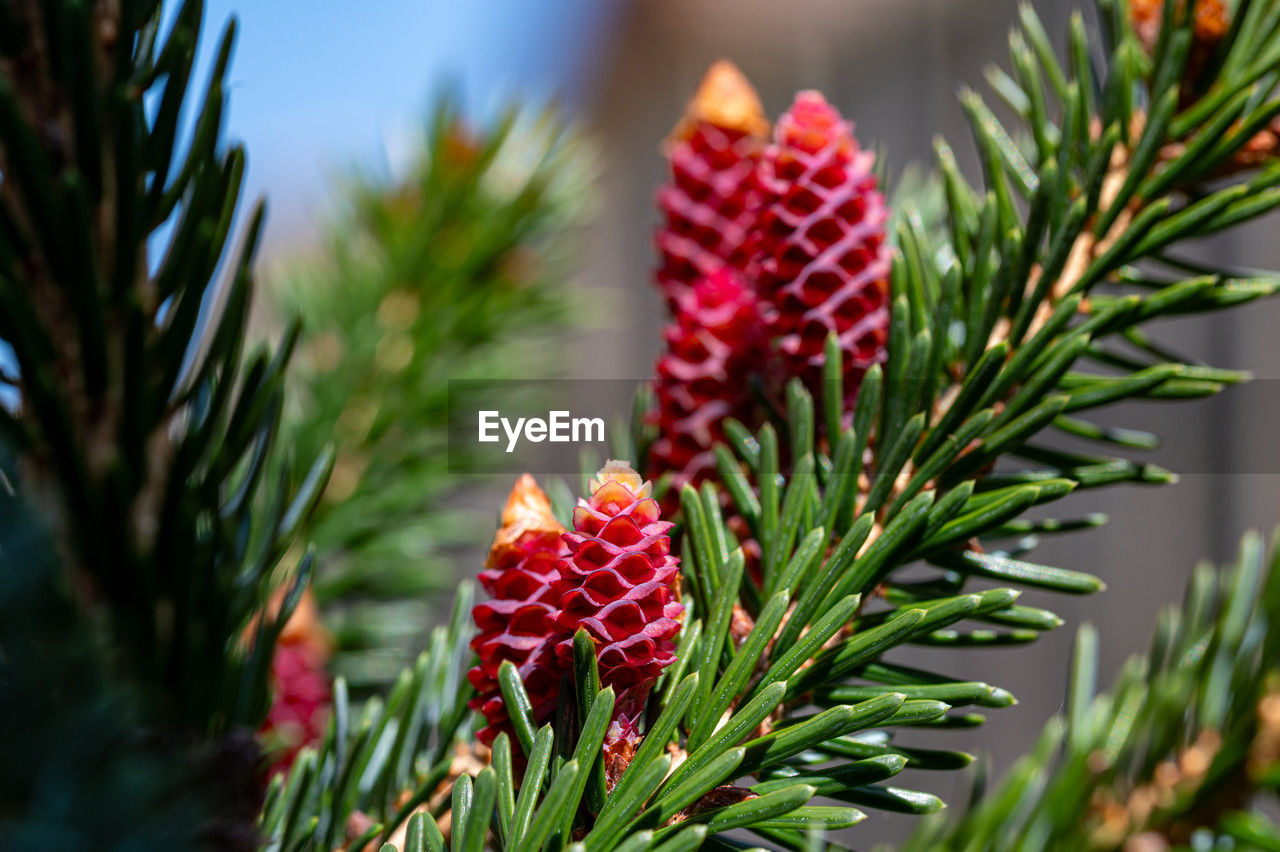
x=334 y=106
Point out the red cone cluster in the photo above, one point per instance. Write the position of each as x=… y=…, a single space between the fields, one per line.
x=518 y=624
x=791 y=234
x=826 y=264
x=613 y=575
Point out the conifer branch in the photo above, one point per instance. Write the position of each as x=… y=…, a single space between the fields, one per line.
x=146 y=442
x=1062 y=255
x=451 y=270
x=1182 y=747
x=141 y=429
x=1037 y=274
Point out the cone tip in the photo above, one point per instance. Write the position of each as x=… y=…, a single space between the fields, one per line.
x=726 y=99
x=528 y=510
x=812 y=122
x=528 y=506
x=617 y=470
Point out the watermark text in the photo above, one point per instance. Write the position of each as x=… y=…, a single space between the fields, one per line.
x=559 y=427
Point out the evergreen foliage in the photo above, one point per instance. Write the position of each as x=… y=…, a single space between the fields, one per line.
x=1176 y=755
x=149 y=512
x=1031 y=309
x=454 y=270
x=141 y=430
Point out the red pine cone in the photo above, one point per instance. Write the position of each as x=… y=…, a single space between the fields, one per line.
x=300 y=684
x=711 y=205
x=714 y=346
x=614 y=575
x=620 y=583
x=300 y=703
x=826 y=263
x=518 y=624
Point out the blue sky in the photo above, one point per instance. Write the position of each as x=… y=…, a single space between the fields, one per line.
x=317 y=86
x=348 y=81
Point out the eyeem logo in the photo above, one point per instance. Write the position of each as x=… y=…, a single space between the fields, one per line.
x=540 y=426
x=559 y=428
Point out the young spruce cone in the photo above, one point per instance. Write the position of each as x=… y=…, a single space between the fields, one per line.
x=518 y=624
x=714 y=346
x=619 y=583
x=710 y=207
x=826 y=263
